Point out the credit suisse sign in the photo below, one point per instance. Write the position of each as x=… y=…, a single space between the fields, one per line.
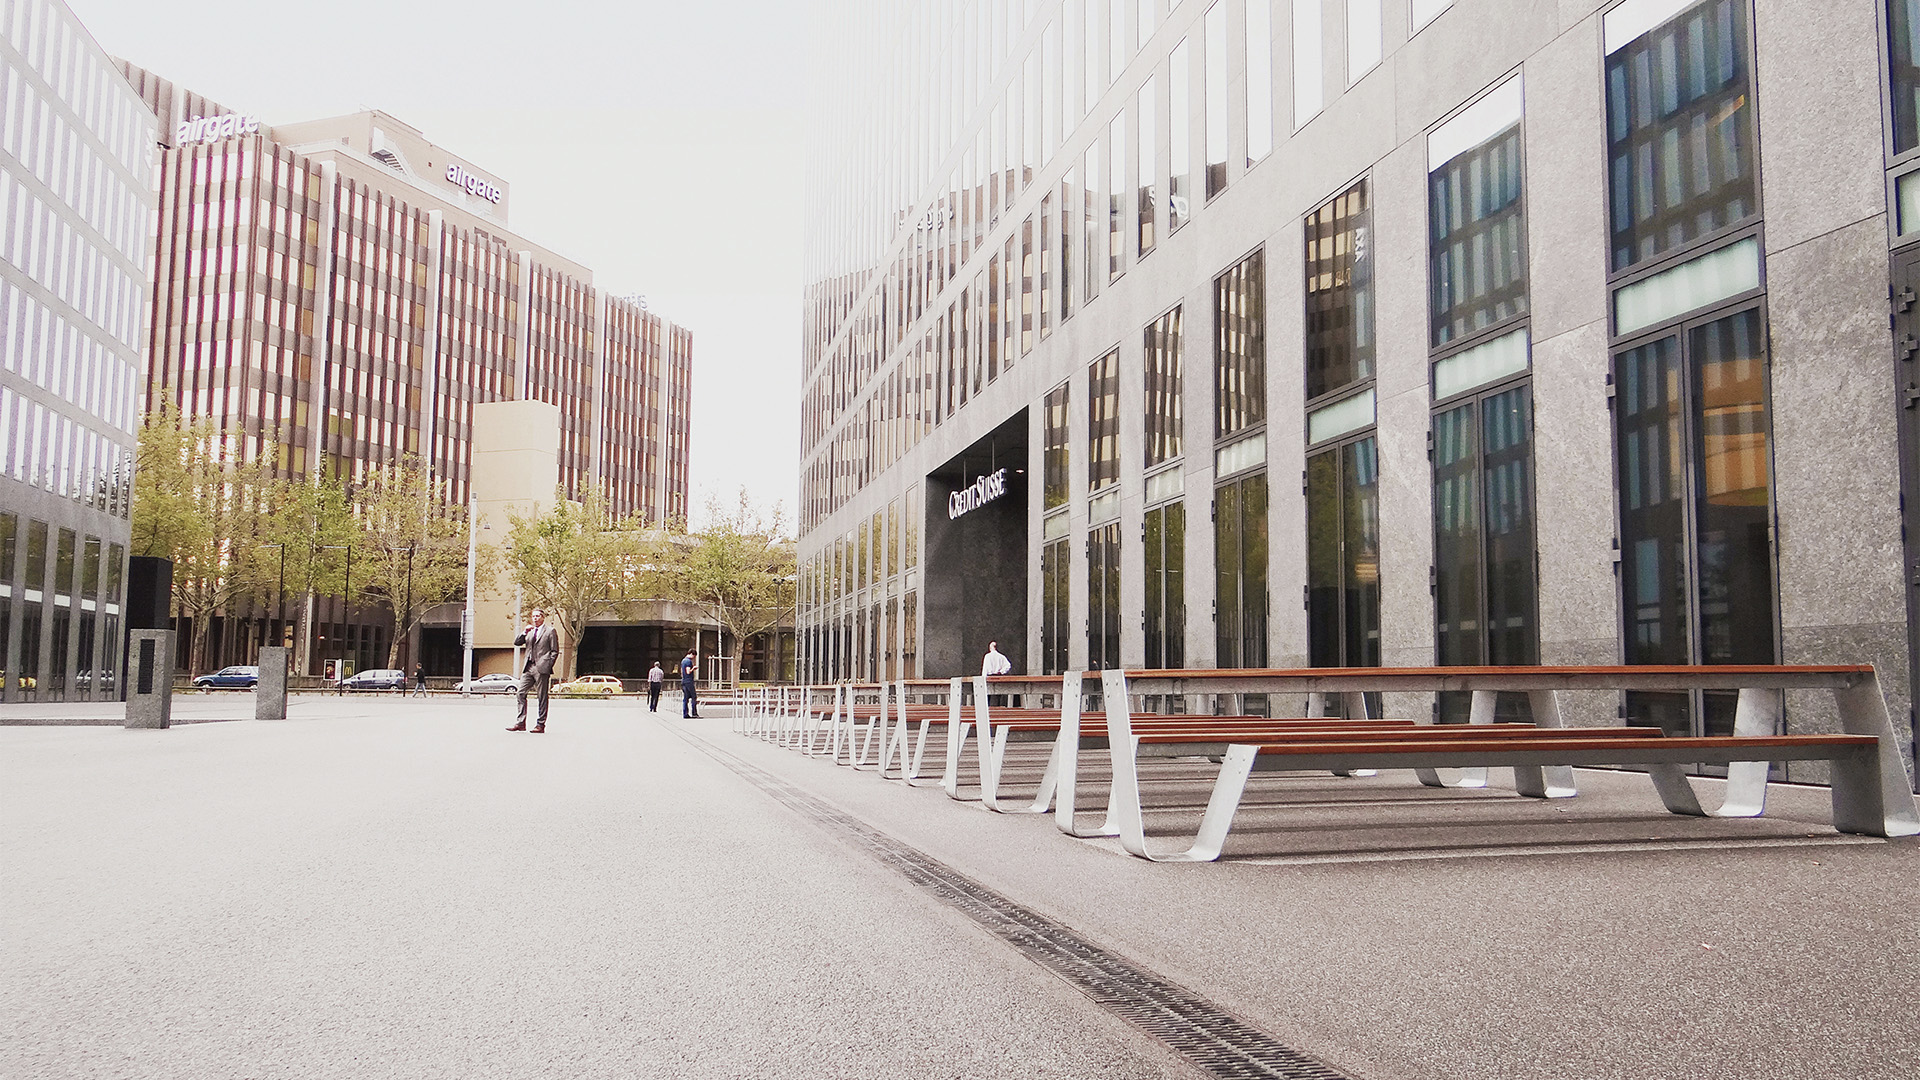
x=472 y=184
x=982 y=491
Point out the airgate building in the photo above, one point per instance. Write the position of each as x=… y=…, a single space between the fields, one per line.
x=344 y=291
x=1289 y=333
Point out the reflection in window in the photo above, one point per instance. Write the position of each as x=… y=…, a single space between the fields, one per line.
x=1148 y=165
x=1240 y=347
x=1216 y=91
x=1179 y=138
x=1240 y=572
x=1339 y=293
x=1162 y=349
x=1694 y=460
x=1165 y=537
x=1055 y=616
x=1343 y=556
x=1479 y=246
x=1044 y=287
x=1054 y=451
x=1091 y=264
x=1484 y=587
x=1680 y=143
x=1116 y=197
x=1103 y=597
x=1903 y=70
x=1103 y=422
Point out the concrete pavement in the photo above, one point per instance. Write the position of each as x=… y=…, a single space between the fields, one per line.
x=376 y=887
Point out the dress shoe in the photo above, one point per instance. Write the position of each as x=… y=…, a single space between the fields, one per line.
x=538 y=730
x=521 y=726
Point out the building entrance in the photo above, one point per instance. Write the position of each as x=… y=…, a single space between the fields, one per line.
x=976 y=555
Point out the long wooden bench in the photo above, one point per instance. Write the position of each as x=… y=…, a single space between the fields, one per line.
x=1862 y=800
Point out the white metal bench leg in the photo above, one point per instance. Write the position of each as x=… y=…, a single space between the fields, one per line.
x=1545 y=781
x=1124 y=804
x=1066 y=752
x=1482 y=712
x=956 y=740
x=1874 y=798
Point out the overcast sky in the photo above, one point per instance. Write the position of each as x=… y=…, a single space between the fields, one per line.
x=655 y=141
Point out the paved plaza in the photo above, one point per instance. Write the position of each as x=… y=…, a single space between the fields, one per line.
x=378 y=887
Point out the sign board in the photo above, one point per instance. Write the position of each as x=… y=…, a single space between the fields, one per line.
x=209 y=128
x=982 y=491
x=473 y=185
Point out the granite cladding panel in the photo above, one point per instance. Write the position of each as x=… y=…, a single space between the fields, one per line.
x=1573 y=487
x=1821 y=140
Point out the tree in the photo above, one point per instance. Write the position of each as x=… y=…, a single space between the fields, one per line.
x=317 y=527
x=200 y=503
x=739 y=570
x=411 y=550
x=576 y=563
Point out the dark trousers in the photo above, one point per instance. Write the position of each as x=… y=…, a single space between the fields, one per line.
x=530 y=681
x=689 y=704
x=653 y=696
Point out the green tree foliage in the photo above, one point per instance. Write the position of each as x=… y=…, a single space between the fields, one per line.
x=199 y=503
x=575 y=562
x=739 y=570
x=410 y=551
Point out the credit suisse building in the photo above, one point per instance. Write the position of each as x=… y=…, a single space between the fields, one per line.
x=1288 y=333
x=346 y=291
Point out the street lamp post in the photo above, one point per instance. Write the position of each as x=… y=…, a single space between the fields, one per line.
x=281 y=625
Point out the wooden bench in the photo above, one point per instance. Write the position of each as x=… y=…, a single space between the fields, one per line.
x=1863 y=801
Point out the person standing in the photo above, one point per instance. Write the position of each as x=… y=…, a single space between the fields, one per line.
x=536 y=673
x=995 y=662
x=655 y=678
x=689 y=704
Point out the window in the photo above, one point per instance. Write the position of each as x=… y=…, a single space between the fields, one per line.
x=1116 y=197
x=1216 y=90
x=1090 y=261
x=1054 y=450
x=1308 y=91
x=1903 y=70
x=1164 y=534
x=1343 y=555
x=1259 y=131
x=1477 y=221
x=1363 y=38
x=1055 y=610
x=1693 y=445
x=1485 y=593
x=1339 y=288
x=1680 y=127
x=1149 y=167
x=1179 y=138
x=1240 y=570
x=1162 y=350
x=1103 y=596
x=1425 y=11
x=1240 y=348
x=1103 y=423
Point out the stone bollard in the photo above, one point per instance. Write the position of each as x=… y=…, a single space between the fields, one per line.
x=270 y=693
x=150 y=685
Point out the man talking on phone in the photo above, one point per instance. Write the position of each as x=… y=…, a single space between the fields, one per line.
x=536 y=672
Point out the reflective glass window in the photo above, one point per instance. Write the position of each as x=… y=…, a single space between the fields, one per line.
x=1103 y=422
x=1343 y=555
x=1103 y=597
x=1179 y=137
x=1149 y=164
x=1339 y=287
x=1162 y=348
x=1240 y=347
x=1164 y=534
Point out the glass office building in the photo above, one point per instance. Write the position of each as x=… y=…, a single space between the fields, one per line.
x=76 y=213
x=344 y=292
x=1287 y=333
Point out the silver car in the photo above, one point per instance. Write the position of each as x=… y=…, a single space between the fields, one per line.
x=499 y=682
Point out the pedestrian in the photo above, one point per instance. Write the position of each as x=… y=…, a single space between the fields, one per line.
x=995 y=663
x=419 y=681
x=689 y=704
x=655 y=678
x=536 y=673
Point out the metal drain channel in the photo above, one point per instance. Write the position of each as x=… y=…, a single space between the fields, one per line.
x=1207 y=1036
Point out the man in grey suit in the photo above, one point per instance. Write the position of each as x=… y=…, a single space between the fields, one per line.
x=543 y=651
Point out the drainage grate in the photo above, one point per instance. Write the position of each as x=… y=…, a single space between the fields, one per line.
x=1207 y=1036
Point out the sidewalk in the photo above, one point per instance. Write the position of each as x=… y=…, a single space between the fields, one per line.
x=379 y=887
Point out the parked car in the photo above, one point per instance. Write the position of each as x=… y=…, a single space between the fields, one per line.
x=591 y=685
x=500 y=682
x=380 y=678
x=237 y=677
x=25 y=682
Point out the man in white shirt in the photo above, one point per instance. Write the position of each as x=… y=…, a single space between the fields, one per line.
x=995 y=663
